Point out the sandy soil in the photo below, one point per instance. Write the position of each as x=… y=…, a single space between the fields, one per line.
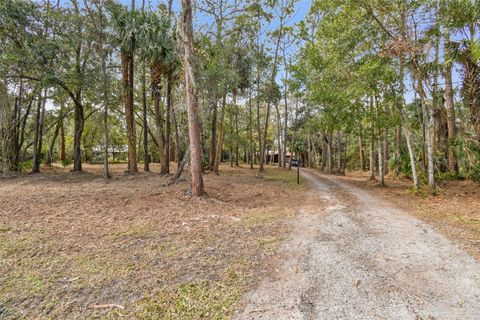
x=75 y=247
x=454 y=209
x=362 y=257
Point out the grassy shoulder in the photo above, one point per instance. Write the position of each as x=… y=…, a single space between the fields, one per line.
x=73 y=246
x=288 y=177
x=454 y=209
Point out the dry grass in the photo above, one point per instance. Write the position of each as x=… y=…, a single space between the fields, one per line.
x=73 y=246
x=454 y=209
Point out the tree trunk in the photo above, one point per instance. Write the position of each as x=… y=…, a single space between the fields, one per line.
x=324 y=152
x=330 y=153
x=155 y=85
x=411 y=149
x=127 y=78
x=285 y=133
x=279 y=134
x=250 y=129
x=24 y=123
x=293 y=136
x=165 y=167
x=218 y=153
x=309 y=153
x=106 y=171
x=428 y=123
x=213 y=146
x=230 y=149
x=146 y=157
x=398 y=136
x=15 y=121
x=385 y=150
x=106 y=101
x=263 y=149
x=380 y=164
x=178 y=152
x=181 y=165
x=42 y=124
x=63 y=153
x=314 y=153
x=237 y=136
x=450 y=106
x=372 y=158
x=38 y=136
x=361 y=148
x=191 y=93
x=411 y=153
x=78 y=131
x=372 y=140
x=259 y=126
x=339 y=151
x=49 y=157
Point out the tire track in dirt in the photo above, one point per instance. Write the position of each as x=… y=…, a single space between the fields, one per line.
x=360 y=257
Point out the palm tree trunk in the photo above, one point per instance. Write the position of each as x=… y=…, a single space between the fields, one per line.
x=146 y=157
x=127 y=77
x=155 y=87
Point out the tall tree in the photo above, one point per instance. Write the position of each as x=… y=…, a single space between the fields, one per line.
x=191 y=93
x=125 y=25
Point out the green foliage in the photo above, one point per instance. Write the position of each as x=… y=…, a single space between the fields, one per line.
x=448 y=176
x=66 y=162
x=475 y=173
x=157 y=41
x=195 y=300
x=26 y=165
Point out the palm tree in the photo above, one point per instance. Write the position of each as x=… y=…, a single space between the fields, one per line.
x=159 y=50
x=124 y=23
x=462 y=18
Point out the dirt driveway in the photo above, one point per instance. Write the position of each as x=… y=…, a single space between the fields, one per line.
x=360 y=257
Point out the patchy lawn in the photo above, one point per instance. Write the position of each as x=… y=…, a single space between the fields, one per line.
x=73 y=246
x=454 y=209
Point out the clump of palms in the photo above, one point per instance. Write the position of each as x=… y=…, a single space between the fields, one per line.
x=158 y=48
x=463 y=19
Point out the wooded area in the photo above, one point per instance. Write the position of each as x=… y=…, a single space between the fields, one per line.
x=376 y=85
x=147 y=148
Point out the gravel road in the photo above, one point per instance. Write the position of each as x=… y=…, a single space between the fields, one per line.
x=356 y=256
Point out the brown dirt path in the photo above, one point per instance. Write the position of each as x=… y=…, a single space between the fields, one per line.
x=360 y=257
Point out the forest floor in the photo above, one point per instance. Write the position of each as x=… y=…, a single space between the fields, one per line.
x=75 y=247
x=360 y=256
